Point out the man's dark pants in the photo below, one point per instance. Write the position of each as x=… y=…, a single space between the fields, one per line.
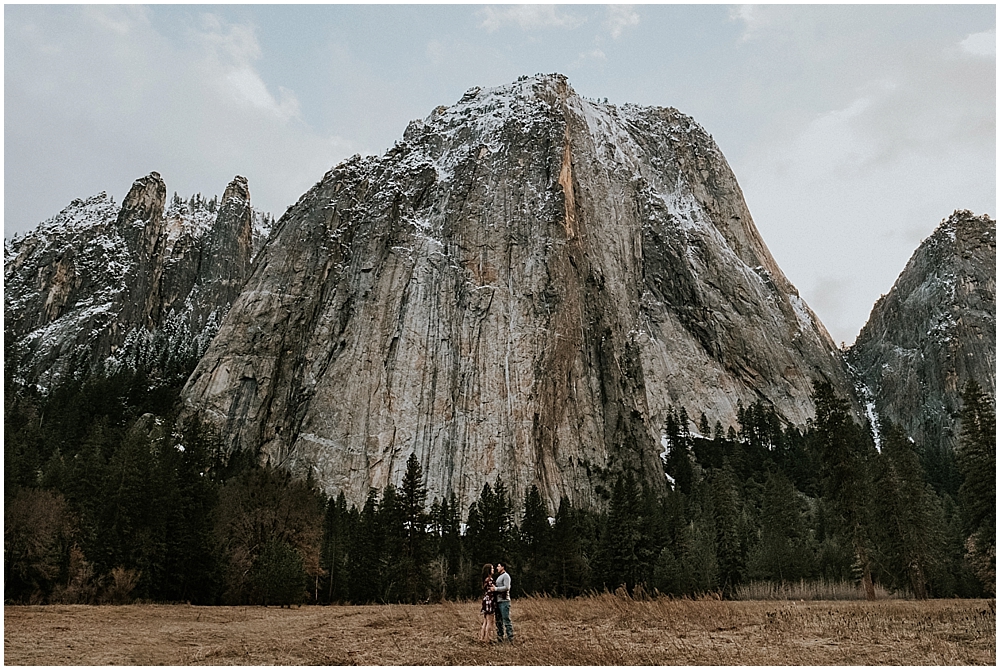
x=502 y=615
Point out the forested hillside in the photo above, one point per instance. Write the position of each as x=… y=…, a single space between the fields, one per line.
x=105 y=501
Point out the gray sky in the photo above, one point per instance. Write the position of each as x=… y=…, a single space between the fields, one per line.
x=853 y=130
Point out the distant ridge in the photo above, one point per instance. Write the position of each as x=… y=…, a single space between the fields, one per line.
x=934 y=331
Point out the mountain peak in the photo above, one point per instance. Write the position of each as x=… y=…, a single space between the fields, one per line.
x=934 y=331
x=524 y=286
x=966 y=226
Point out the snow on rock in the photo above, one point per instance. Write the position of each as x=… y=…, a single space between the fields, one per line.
x=933 y=332
x=521 y=286
x=801 y=312
x=99 y=287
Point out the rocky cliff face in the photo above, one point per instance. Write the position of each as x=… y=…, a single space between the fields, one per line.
x=520 y=287
x=99 y=286
x=935 y=330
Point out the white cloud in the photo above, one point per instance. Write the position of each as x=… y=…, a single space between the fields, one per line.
x=831 y=143
x=619 y=18
x=874 y=123
x=248 y=86
x=120 y=19
x=435 y=52
x=228 y=54
x=100 y=96
x=528 y=17
x=236 y=43
x=588 y=56
x=752 y=18
x=980 y=44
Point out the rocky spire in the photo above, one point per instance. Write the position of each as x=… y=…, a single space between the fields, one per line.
x=141 y=223
x=104 y=287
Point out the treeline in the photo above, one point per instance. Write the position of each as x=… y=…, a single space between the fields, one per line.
x=106 y=500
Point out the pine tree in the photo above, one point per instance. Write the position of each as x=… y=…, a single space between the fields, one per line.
x=475 y=532
x=413 y=496
x=451 y=538
x=955 y=577
x=490 y=526
x=703 y=427
x=625 y=555
x=189 y=570
x=910 y=517
x=939 y=463
x=729 y=549
x=366 y=551
x=535 y=532
x=678 y=461
x=570 y=572
x=718 y=433
x=335 y=551
x=84 y=481
x=131 y=524
x=977 y=458
x=501 y=518
x=393 y=572
x=697 y=543
x=434 y=524
x=760 y=439
x=782 y=552
x=801 y=463
x=842 y=450
x=684 y=421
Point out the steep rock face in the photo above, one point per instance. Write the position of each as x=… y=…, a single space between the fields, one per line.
x=520 y=287
x=935 y=330
x=98 y=286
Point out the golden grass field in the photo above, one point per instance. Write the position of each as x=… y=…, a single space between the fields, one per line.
x=597 y=630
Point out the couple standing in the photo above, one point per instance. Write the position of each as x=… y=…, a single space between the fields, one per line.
x=496 y=603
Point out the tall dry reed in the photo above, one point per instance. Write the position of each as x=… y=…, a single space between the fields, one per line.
x=810 y=590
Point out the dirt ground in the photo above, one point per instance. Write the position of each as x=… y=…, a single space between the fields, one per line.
x=599 y=630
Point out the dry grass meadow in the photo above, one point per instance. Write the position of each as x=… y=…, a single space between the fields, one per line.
x=597 y=630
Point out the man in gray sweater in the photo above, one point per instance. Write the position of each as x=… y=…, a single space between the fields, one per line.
x=502 y=591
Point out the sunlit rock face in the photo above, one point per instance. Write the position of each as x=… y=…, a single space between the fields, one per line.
x=99 y=288
x=520 y=288
x=934 y=331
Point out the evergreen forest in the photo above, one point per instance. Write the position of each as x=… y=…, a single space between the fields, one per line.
x=108 y=500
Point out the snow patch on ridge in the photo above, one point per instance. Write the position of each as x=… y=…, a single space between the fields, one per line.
x=615 y=146
x=474 y=124
x=868 y=400
x=801 y=312
x=873 y=420
x=182 y=219
x=80 y=215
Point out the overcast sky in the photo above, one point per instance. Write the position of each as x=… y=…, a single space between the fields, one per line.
x=853 y=130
